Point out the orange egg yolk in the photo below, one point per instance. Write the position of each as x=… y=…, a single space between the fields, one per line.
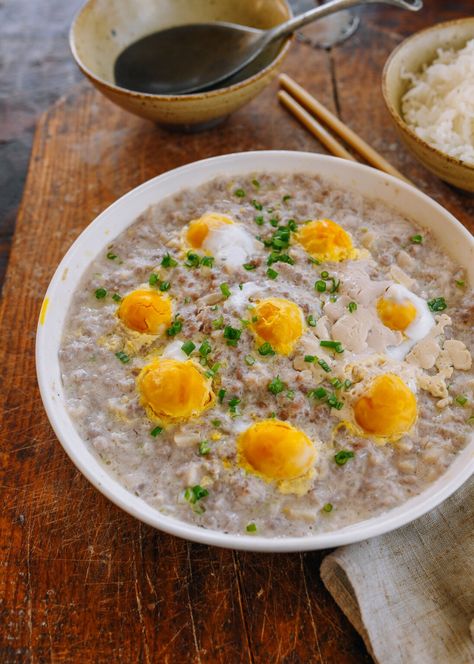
x=387 y=409
x=325 y=240
x=396 y=315
x=145 y=311
x=276 y=450
x=278 y=322
x=198 y=229
x=173 y=390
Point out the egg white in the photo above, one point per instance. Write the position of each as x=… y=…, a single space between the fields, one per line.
x=418 y=328
x=230 y=244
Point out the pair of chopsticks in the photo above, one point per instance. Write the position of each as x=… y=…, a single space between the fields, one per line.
x=300 y=102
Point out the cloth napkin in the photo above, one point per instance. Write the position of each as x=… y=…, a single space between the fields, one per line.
x=410 y=593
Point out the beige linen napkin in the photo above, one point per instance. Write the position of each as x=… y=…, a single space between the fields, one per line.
x=410 y=593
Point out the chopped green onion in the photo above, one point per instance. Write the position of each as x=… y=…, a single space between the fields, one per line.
x=258 y=206
x=334 y=345
x=100 y=293
x=256 y=184
x=342 y=457
x=309 y=358
x=188 y=347
x=192 y=259
x=460 y=282
x=233 y=403
x=232 y=335
x=320 y=286
x=249 y=360
x=327 y=507
x=324 y=365
x=276 y=386
x=352 y=306
x=210 y=373
x=175 y=327
x=195 y=493
x=324 y=275
x=292 y=225
x=273 y=222
x=156 y=431
x=153 y=279
x=314 y=261
x=290 y=394
x=271 y=273
x=279 y=258
x=333 y=402
x=216 y=423
x=123 y=357
x=416 y=239
x=205 y=348
x=207 y=261
x=204 y=448
x=249 y=266
x=336 y=383
x=218 y=323
x=461 y=400
x=437 y=304
x=311 y=321
x=259 y=220
x=335 y=286
x=168 y=261
x=111 y=256
x=221 y=395
x=164 y=286
x=347 y=384
x=251 y=528
x=225 y=290
x=286 y=198
x=470 y=420
x=116 y=297
x=266 y=349
x=240 y=193
x=318 y=393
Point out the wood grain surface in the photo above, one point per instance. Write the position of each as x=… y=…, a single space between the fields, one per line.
x=80 y=581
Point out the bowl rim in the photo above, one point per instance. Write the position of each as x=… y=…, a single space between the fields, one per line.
x=190 y=97
x=396 y=115
x=95 y=472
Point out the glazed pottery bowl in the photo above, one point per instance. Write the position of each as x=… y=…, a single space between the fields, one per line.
x=405 y=199
x=104 y=28
x=415 y=52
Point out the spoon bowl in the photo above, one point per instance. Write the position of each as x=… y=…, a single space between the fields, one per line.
x=104 y=28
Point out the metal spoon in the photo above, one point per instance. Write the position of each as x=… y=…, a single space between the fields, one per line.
x=193 y=57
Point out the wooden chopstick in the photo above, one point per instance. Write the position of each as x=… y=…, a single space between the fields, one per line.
x=333 y=122
x=314 y=126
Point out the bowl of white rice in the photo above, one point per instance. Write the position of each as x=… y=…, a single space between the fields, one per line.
x=428 y=86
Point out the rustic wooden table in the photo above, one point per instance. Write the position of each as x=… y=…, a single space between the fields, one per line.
x=80 y=581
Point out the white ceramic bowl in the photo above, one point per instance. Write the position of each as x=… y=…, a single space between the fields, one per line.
x=452 y=236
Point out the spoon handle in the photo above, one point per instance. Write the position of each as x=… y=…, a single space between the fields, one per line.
x=287 y=28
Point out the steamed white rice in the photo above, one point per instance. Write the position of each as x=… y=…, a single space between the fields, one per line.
x=439 y=105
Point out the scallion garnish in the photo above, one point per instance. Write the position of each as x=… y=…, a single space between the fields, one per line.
x=168 y=261
x=437 y=304
x=258 y=206
x=310 y=358
x=271 y=273
x=286 y=198
x=250 y=360
x=251 y=528
x=111 y=256
x=205 y=348
x=216 y=423
x=461 y=400
x=320 y=286
x=416 y=239
x=207 y=261
x=259 y=220
x=333 y=345
x=225 y=290
x=123 y=357
x=256 y=184
x=266 y=349
x=249 y=266
x=324 y=275
x=156 y=431
x=279 y=258
x=192 y=259
x=100 y=293
x=153 y=279
x=276 y=386
x=318 y=393
x=460 y=283
x=221 y=395
x=175 y=327
x=311 y=320
x=240 y=193
x=164 y=286
x=116 y=297
x=188 y=347
x=233 y=403
x=290 y=394
x=204 y=448
x=195 y=493
x=211 y=372
x=343 y=456
x=232 y=334
x=333 y=402
x=327 y=507
x=324 y=365
x=218 y=323
x=352 y=306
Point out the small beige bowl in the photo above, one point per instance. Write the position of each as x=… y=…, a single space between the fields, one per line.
x=103 y=28
x=411 y=55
